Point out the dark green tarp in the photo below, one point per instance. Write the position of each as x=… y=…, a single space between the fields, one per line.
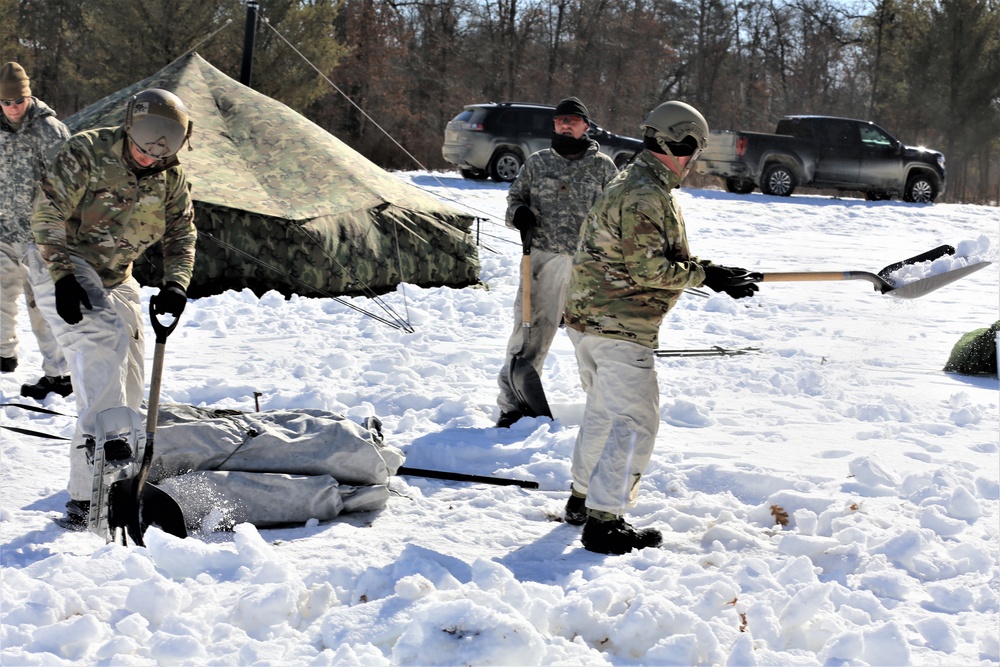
x=975 y=353
x=279 y=188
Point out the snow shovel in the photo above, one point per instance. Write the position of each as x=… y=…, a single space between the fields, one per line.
x=150 y=504
x=911 y=290
x=521 y=375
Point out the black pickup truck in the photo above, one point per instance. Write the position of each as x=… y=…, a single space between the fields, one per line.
x=824 y=152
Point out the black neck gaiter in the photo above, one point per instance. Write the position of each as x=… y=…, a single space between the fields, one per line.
x=568 y=147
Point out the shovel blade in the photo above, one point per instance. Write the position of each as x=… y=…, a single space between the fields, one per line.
x=527 y=388
x=927 y=285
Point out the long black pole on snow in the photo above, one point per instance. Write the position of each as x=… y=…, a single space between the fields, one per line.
x=248 y=36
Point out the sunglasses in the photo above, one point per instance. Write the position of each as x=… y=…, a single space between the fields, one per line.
x=18 y=101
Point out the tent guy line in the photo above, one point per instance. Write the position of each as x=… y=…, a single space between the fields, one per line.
x=397 y=322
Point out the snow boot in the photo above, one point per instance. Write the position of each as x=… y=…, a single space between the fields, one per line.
x=508 y=419
x=617 y=537
x=77 y=512
x=8 y=364
x=576 y=509
x=59 y=384
x=117 y=456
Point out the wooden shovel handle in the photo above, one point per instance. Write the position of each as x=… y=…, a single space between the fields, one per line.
x=803 y=276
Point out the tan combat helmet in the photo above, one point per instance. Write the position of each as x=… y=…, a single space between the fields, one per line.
x=677 y=128
x=157 y=123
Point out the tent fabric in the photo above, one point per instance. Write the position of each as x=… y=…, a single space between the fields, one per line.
x=975 y=353
x=268 y=468
x=281 y=189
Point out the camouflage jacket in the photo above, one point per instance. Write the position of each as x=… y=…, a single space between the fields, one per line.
x=559 y=193
x=24 y=155
x=93 y=206
x=632 y=261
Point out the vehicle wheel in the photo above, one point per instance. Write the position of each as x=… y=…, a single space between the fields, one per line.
x=778 y=180
x=739 y=186
x=505 y=165
x=920 y=189
x=473 y=174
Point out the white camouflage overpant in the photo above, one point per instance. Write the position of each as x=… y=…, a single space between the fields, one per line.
x=105 y=353
x=620 y=420
x=549 y=279
x=14 y=283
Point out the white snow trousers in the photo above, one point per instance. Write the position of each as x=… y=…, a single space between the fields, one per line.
x=549 y=279
x=620 y=420
x=14 y=283
x=105 y=352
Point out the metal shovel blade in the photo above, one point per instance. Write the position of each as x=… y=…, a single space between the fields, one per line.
x=927 y=285
x=527 y=387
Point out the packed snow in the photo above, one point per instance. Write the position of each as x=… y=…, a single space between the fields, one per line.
x=830 y=498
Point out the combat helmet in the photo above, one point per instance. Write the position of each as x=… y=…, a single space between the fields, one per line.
x=676 y=128
x=157 y=123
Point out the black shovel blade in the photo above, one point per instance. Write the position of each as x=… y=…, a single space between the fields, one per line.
x=527 y=387
x=158 y=508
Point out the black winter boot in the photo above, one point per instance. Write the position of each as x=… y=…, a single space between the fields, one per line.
x=8 y=364
x=508 y=419
x=576 y=509
x=617 y=537
x=48 y=384
x=77 y=514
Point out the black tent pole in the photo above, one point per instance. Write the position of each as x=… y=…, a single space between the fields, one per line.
x=248 y=36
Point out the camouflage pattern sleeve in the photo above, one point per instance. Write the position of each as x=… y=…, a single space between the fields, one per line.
x=654 y=243
x=52 y=139
x=519 y=193
x=180 y=235
x=60 y=193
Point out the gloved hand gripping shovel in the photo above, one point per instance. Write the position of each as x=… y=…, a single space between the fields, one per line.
x=882 y=280
x=524 y=381
x=150 y=504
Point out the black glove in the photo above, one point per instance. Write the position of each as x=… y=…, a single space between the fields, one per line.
x=69 y=296
x=171 y=300
x=741 y=291
x=732 y=280
x=524 y=219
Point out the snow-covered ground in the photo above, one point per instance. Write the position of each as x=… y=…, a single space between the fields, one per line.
x=886 y=467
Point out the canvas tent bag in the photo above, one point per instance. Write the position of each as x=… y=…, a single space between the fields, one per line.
x=269 y=468
x=975 y=353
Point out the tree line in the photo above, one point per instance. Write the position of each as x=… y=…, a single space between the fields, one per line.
x=926 y=70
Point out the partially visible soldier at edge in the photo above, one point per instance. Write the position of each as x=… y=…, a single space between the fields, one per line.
x=630 y=268
x=109 y=195
x=30 y=135
x=549 y=199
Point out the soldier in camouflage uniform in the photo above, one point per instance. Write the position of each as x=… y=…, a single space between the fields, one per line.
x=630 y=267
x=549 y=199
x=110 y=194
x=30 y=135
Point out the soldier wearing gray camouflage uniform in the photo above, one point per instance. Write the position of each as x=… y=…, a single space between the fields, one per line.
x=110 y=194
x=549 y=200
x=30 y=135
x=630 y=267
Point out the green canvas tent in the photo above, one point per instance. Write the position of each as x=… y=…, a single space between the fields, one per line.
x=269 y=184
